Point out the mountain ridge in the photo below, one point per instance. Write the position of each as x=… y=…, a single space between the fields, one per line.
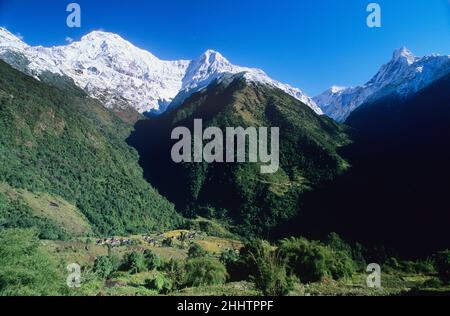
x=109 y=67
x=404 y=75
x=255 y=202
x=61 y=142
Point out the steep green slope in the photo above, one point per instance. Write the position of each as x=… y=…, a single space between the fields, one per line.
x=15 y=212
x=405 y=160
x=18 y=61
x=397 y=191
x=255 y=202
x=60 y=141
x=39 y=208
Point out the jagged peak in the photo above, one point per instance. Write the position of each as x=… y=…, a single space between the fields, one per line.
x=404 y=53
x=210 y=56
x=114 y=44
x=337 y=89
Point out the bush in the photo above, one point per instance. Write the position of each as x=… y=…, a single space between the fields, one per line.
x=311 y=261
x=175 y=271
x=152 y=261
x=159 y=283
x=392 y=263
x=230 y=258
x=246 y=263
x=134 y=263
x=168 y=243
x=196 y=251
x=205 y=271
x=425 y=267
x=103 y=267
x=304 y=259
x=433 y=283
x=408 y=267
x=336 y=243
x=411 y=267
x=340 y=265
x=25 y=269
x=442 y=263
x=270 y=274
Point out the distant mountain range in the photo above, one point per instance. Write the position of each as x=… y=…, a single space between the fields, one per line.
x=124 y=76
x=404 y=75
x=113 y=70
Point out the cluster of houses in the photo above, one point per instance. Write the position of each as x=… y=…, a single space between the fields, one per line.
x=184 y=236
x=188 y=236
x=113 y=242
x=152 y=240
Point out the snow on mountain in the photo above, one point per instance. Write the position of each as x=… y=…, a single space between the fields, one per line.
x=110 y=68
x=7 y=39
x=212 y=65
x=404 y=75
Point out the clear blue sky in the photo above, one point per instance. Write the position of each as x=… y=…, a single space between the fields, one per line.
x=309 y=44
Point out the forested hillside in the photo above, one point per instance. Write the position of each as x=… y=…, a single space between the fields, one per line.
x=399 y=177
x=60 y=141
x=255 y=202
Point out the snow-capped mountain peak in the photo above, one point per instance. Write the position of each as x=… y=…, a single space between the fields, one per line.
x=402 y=76
x=102 y=35
x=404 y=54
x=211 y=56
x=337 y=89
x=100 y=42
x=205 y=69
x=111 y=68
x=211 y=65
x=7 y=39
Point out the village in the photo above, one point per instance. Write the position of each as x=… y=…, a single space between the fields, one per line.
x=160 y=240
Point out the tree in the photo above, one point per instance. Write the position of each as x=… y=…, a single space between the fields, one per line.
x=196 y=251
x=103 y=267
x=87 y=244
x=229 y=256
x=134 y=262
x=270 y=274
x=442 y=262
x=205 y=271
x=335 y=242
x=312 y=261
x=159 y=283
x=175 y=271
x=152 y=261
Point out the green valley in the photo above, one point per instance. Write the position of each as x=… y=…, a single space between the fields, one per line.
x=255 y=203
x=72 y=191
